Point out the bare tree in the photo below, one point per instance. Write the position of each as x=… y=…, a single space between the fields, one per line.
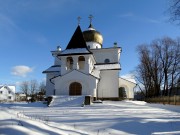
x=33 y=88
x=168 y=59
x=175 y=11
x=175 y=68
x=24 y=87
x=159 y=66
x=143 y=69
x=42 y=90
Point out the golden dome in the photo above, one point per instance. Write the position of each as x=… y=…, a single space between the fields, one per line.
x=91 y=35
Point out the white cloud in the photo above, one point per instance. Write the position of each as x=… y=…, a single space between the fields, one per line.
x=21 y=70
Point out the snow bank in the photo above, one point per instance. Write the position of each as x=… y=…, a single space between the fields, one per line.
x=76 y=50
x=136 y=102
x=67 y=101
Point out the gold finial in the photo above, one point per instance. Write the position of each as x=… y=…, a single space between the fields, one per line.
x=79 y=19
x=90 y=18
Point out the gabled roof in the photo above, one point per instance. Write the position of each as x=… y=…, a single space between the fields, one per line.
x=55 y=68
x=73 y=71
x=77 y=40
x=6 y=87
x=76 y=51
x=127 y=80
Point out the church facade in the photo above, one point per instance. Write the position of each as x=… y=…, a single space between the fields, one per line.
x=85 y=67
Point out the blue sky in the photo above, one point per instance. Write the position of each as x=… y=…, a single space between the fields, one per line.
x=29 y=30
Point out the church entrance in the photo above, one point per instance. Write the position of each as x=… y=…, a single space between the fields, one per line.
x=75 y=89
x=122 y=92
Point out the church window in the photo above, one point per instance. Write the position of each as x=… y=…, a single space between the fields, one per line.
x=69 y=63
x=106 y=61
x=75 y=89
x=1 y=92
x=81 y=62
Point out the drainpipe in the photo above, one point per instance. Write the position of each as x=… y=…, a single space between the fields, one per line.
x=98 y=86
x=53 y=84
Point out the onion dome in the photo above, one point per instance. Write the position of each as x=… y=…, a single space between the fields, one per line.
x=91 y=35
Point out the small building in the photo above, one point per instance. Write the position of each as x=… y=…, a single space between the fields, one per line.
x=20 y=97
x=7 y=93
x=127 y=88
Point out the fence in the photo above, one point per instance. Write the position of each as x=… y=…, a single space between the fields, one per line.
x=173 y=100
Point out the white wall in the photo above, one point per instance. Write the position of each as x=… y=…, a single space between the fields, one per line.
x=49 y=85
x=7 y=93
x=57 y=61
x=109 y=84
x=113 y=54
x=89 y=83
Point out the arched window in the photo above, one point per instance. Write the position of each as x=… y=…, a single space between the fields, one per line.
x=106 y=61
x=81 y=62
x=69 y=63
x=75 y=89
x=122 y=92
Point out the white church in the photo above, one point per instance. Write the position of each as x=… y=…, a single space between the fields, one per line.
x=86 y=68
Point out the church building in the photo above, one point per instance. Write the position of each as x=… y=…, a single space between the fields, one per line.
x=85 y=67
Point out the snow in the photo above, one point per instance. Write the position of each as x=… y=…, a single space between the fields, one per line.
x=129 y=77
x=76 y=50
x=65 y=101
x=107 y=66
x=110 y=117
x=53 y=69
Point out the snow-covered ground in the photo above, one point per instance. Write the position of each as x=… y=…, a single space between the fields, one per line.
x=121 y=117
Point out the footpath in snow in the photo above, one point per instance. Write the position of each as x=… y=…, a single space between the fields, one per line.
x=115 y=118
